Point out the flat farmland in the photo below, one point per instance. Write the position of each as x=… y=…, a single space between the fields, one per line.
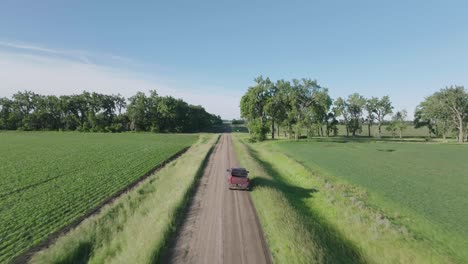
x=426 y=183
x=50 y=179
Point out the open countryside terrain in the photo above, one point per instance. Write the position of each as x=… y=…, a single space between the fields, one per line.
x=220 y=225
x=418 y=176
x=136 y=227
x=50 y=179
x=310 y=215
x=233 y=132
x=424 y=186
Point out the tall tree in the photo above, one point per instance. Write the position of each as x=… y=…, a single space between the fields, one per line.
x=6 y=109
x=137 y=112
x=341 y=109
x=433 y=114
x=286 y=94
x=382 y=109
x=456 y=100
x=370 y=107
x=445 y=109
x=253 y=109
x=355 y=105
x=398 y=123
x=320 y=108
x=120 y=103
x=332 y=123
x=301 y=100
x=273 y=105
x=283 y=88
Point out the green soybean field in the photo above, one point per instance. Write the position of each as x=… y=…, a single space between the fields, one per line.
x=50 y=179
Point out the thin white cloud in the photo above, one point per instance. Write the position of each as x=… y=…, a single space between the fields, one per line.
x=46 y=73
x=23 y=46
x=73 y=54
x=20 y=47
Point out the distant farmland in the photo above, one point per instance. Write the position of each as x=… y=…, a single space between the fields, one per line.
x=428 y=183
x=47 y=180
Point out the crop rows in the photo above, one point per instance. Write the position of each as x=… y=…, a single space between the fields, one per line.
x=48 y=180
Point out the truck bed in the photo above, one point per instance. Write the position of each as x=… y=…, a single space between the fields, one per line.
x=238 y=179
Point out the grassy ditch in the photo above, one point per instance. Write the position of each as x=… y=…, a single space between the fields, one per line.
x=308 y=218
x=137 y=226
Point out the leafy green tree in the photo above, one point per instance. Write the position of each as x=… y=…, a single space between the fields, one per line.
x=285 y=93
x=97 y=112
x=6 y=109
x=355 y=104
x=445 y=110
x=253 y=108
x=301 y=101
x=370 y=107
x=321 y=103
x=455 y=99
x=383 y=108
x=137 y=112
x=392 y=129
x=332 y=123
x=432 y=114
x=341 y=109
x=398 y=123
x=275 y=105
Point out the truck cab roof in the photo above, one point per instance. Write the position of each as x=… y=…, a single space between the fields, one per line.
x=239 y=172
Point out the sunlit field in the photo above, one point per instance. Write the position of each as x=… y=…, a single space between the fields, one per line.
x=49 y=179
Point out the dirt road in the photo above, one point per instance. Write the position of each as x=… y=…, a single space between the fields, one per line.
x=220 y=226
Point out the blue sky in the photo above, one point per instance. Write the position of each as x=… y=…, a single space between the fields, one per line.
x=209 y=52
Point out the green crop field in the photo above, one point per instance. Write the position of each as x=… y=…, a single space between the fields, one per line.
x=427 y=182
x=49 y=179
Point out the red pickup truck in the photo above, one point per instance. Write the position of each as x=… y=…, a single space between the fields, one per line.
x=238 y=178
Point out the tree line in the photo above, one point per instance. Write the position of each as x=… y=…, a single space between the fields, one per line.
x=304 y=105
x=95 y=112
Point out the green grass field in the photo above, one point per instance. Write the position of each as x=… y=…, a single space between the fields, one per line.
x=49 y=179
x=429 y=179
x=420 y=186
x=352 y=202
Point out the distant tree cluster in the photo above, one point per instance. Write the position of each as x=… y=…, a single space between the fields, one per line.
x=96 y=112
x=237 y=121
x=303 y=105
x=444 y=112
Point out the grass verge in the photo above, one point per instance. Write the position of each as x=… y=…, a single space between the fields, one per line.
x=137 y=226
x=309 y=219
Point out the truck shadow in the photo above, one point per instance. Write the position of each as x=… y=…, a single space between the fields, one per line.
x=334 y=246
x=299 y=192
